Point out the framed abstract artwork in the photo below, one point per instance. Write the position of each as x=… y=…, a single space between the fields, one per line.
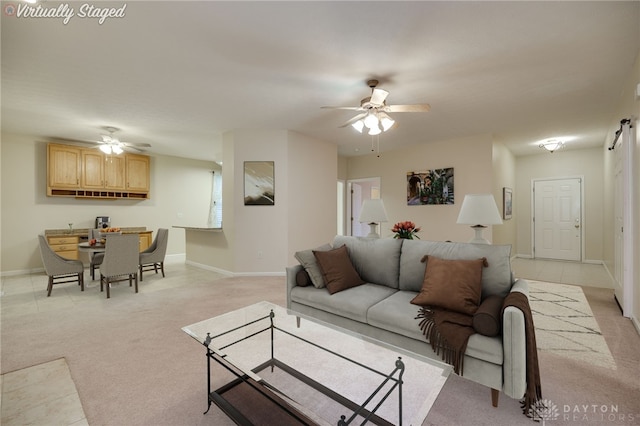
x=259 y=183
x=507 y=203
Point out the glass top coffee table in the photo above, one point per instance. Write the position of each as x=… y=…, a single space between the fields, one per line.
x=280 y=367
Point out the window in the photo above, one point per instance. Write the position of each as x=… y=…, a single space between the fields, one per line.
x=215 y=207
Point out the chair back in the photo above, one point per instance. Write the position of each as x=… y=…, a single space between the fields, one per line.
x=55 y=264
x=120 y=255
x=158 y=249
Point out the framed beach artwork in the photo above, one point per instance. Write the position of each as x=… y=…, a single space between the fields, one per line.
x=259 y=183
x=507 y=203
x=430 y=187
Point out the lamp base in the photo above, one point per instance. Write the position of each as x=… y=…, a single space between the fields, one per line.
x=478 y=238
x=372 y=230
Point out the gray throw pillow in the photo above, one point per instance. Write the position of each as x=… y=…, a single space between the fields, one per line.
x=310 y=264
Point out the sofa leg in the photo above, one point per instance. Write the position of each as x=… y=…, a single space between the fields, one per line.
x=495 y=394
x=298 y=322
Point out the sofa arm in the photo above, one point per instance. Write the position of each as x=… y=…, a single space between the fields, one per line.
x=291 y=281
x=514 y=369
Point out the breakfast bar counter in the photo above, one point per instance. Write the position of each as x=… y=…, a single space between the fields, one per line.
x=65 y=241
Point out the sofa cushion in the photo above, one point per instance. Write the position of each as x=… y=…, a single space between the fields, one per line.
x=310 y=264
x=496 y=278
x=396 y=314
x=377 y=260
x=337 y=269
x=488 y=318
x=352 y=303
x=451 y=284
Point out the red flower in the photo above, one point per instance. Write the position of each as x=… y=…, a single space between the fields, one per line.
x=405 y=230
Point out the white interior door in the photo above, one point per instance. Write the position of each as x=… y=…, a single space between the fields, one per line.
x=557 y=219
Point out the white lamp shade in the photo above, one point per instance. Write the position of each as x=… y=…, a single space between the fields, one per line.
x=373 y=211
x=105 y=148
x=375 y=131
x=358 y=125
x=479 y=209
x=387 y=123
x=371 y=121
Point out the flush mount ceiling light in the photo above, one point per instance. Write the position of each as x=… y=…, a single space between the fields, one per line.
x=552 y=145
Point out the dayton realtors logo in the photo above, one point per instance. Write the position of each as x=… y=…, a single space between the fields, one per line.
x=64 y=12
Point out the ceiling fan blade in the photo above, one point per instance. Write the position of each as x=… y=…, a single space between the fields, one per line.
x=408 y=108
x=67 y=140
x=140 y=145
x=354 y=119
x=378 y=96
x=132 y=148
x=337 y=107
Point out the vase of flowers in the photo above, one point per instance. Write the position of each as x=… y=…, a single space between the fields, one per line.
x=406 y=230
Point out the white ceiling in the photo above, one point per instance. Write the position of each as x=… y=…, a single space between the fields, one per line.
x=179 y=74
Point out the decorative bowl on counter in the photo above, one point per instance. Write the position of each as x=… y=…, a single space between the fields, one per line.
x=110 y=231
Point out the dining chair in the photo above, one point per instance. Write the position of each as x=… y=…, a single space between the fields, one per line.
x=59 y=269
x=95 y=258
x=120 y=261
x=153 y=257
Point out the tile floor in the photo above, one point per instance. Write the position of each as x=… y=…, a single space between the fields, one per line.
x=562 y=272
x=28 y=395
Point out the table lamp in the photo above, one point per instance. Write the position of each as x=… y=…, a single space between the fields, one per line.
x=479 y=210
x=373 y=212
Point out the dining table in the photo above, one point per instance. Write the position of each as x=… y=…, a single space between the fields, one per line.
x=91 y=248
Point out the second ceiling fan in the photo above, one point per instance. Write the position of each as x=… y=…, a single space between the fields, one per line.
x=374 y=115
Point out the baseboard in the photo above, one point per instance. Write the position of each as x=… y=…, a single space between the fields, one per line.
x=21 y=272
x=235 y=274
x=636 y=324
x=208 y=268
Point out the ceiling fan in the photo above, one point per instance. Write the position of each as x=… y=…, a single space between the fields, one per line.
x=374 y=115
x=110 y=144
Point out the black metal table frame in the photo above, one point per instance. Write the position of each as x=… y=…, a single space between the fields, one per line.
x=358 y=410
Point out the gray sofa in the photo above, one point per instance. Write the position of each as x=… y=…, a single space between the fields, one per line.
x=381 y=308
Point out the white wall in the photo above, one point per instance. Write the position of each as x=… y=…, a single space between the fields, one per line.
x=504 y=175
x=263 y=239
x=177 y=186
x=312 y=193
x=471 y=159
x=587 y=163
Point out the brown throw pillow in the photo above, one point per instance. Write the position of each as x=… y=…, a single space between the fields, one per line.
x=455 y=285
x=337 y=269
x=487 y=319
x=302 y=278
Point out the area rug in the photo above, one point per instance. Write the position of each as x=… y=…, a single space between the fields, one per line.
x=565 y=324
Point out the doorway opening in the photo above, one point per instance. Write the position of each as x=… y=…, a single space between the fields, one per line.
x=359 y=190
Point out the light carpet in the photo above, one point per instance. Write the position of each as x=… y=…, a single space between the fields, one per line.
x=132 y=365
x=565 y=324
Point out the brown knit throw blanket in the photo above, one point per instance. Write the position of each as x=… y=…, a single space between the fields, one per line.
x=448 y=332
